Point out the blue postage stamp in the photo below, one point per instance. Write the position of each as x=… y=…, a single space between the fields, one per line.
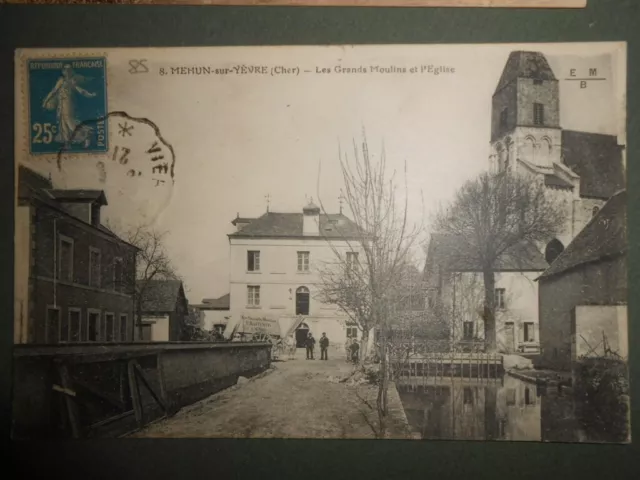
x=68 y=105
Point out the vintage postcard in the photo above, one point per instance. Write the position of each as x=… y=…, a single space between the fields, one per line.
x=389 y=241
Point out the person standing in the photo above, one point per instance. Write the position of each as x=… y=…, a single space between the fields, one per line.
x=311 y=342
x=324 y=345
x=355 y=351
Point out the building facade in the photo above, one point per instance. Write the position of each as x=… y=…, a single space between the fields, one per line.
x=164 y=309
x=583 y=295
x=215 y=312
x=456 y=291
x=581 y=170
x=275 y=270
x=71 y=273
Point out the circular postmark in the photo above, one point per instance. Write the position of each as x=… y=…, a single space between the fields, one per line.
x=136 y=172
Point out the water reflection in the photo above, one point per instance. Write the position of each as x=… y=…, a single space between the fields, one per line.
x=469 y=409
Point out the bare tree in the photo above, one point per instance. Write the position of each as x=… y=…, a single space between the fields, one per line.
x=499 y=218
x=366 y=290
x=152 y=262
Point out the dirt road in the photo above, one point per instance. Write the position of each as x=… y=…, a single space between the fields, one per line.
x=296 y=399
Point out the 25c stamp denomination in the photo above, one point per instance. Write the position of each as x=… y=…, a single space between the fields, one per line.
x=64 y=93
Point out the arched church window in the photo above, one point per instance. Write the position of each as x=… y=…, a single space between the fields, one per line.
x=595 y=211
x=545 y=148
x=529 y=149
x=553 y=250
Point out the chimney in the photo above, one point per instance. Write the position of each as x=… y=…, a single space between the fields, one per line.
x=311 y=220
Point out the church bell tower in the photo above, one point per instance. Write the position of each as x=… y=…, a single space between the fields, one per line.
x=525 y=118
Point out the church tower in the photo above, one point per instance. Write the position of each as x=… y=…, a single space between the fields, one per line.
x=525 y=119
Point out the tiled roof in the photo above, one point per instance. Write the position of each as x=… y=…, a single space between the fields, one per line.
x=79 y=195
x=597 y=158
x=452 y=253
x=32 y=185
x=273 y=224
x=525 y=65
x=551 y=180
x=239 y=219
x=160 y=295
x=604 y=236
x=222 y=303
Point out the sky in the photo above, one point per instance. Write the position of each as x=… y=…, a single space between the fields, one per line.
x=239 y=137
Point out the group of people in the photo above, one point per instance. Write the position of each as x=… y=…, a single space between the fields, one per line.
x=353 y=348
x=310 y=344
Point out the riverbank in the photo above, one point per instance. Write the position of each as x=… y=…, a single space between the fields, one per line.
x=296 y=399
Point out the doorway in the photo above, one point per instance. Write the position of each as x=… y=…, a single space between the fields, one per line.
x=302 y=332
x=302 y=301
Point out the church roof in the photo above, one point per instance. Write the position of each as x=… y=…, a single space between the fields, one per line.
x=597 y=159
x=283 y=225
x=551 y=180
x=454 y=254
x=523 y=64
x=603 y=237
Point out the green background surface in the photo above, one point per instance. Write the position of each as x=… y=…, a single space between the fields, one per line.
x=111 y=26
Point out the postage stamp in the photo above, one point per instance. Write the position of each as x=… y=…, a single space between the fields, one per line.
x=63 y=95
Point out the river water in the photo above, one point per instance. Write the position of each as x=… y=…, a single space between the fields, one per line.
x=503 y=408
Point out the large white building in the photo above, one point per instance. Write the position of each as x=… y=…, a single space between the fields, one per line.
x=581 y=169
x=275 y=264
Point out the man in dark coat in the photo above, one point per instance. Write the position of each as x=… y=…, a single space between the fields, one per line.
x=354 y=349
x=310 y=344
x=324 y=345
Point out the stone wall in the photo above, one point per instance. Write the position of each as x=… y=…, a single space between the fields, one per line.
x=181 y=372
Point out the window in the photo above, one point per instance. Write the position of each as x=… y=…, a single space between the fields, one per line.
x=302 y=301
x=253 y=261
x=511 y=396
x=66 y=259
x=503 y=118
x=109 y=328
x=529 y=399
x=53 y=325
x=64 y=329
x=352 y=258
x=94 y=267
x=595 y=211
x=118 y=281
x=538 y=114
x=123 y=327
x=468 y=396
x=529 y=329
x=303 y=261
x=500 y=298
x=352 y=332
x=93 y=326
x=537 y=81
x=467 y=330
x=553 y=250
x=74 y=325
x=253 y=296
